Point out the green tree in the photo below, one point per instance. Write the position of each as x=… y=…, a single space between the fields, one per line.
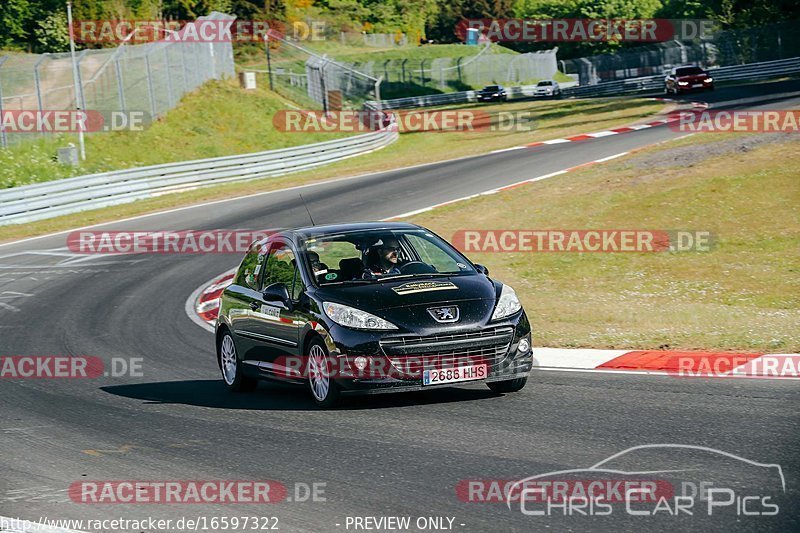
x=14 y=18
x=52 y=33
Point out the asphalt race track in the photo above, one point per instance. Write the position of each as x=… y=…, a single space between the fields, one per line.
x=397 y=455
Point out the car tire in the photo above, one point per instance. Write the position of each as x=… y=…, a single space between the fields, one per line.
x=324 y=390
x=510 y=385
x=231 y=366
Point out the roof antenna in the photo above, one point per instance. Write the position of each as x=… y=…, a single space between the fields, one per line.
x=307 y=210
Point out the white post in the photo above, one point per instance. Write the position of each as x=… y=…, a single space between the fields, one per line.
x=75 y=77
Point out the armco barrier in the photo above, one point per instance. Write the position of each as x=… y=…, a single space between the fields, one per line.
x=750 y=71
x=463 y=97
x=46 y=200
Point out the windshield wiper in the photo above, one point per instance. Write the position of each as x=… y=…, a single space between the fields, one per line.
x=348 y=281
x=426 y=275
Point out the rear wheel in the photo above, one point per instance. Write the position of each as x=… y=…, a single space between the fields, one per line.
x=231 y=366
x=324 y=390
x=510 y=385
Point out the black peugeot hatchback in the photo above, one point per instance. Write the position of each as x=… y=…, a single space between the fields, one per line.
x=368 y=308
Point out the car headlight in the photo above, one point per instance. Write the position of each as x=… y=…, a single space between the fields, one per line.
x=708 y=80
x=354 y=318
x=507 y=305
x=683 y=83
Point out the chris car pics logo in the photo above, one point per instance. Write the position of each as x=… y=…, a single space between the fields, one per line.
x=678 y=480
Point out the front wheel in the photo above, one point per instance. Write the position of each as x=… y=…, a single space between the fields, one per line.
x=510 y=385
x=323 y=388
x=231 y=366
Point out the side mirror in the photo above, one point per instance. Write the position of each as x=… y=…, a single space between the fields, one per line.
x=278 y=292
x=482 y=269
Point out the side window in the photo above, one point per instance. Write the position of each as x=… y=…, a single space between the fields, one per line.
x=281 y=267
x=251 y=267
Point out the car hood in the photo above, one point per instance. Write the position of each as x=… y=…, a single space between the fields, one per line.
x=405 y=302
x=693 y=77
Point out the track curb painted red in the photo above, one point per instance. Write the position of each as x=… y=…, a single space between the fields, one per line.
x=204 y=303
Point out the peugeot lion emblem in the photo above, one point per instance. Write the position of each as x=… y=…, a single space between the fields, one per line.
x=444 y=314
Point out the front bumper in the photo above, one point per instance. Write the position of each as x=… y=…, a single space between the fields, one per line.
x=496 y=345
x=695 y=87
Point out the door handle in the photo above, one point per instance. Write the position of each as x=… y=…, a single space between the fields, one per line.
x=255 y=306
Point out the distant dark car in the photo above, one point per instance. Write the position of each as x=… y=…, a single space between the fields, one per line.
x=492 y=93
x=685 y=79
x=307 y=307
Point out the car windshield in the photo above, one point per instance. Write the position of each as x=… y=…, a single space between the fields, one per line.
x=372 y=256
x=545 y=83
x=492 y=88
x=688 y=71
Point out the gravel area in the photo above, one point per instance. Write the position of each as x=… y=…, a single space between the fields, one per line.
x=690 y=155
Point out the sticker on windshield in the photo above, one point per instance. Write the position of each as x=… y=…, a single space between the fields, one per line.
x=332 y=275
x=423 y=286
x=462 y=266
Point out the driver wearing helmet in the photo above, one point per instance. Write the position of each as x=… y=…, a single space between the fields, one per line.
x=383 y=258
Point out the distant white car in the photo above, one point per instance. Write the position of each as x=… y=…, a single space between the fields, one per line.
x=547 y=88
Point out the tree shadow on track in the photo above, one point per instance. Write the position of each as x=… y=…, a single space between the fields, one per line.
x=279 y=397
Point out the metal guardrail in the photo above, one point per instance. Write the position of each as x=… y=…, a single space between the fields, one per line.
x=51 y=199
x=463 y=97
x=750 y=71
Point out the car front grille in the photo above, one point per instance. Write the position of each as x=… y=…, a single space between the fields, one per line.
x=411 y=354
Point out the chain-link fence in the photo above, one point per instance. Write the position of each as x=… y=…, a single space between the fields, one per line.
x=726 y=48
x=403 y=76
x=315 y=81
x=303 y=76
x=149 y=78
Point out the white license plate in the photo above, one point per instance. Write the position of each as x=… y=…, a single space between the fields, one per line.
x=697 y=85
x=454 y=375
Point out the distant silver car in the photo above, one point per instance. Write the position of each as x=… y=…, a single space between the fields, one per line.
x=547 y=88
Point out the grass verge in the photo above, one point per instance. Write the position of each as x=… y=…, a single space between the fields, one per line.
x=744 y=294
x=218 y=119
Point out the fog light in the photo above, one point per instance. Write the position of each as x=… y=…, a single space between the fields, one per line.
x=360 y=362
x=524 y=346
